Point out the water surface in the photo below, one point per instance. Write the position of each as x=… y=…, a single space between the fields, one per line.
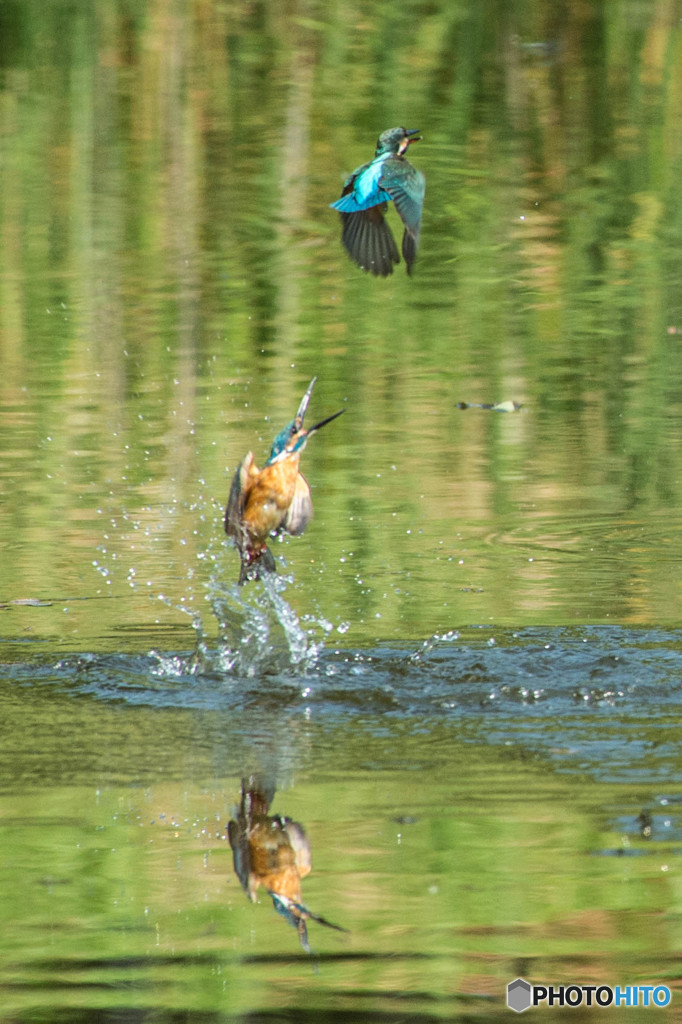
x=465 y=683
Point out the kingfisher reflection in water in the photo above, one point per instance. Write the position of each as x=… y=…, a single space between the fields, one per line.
x=273 y=851
x=272 y=500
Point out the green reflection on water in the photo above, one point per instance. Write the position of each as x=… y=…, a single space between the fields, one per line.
x=170 y=279
x=452 y=877
x=171 y=274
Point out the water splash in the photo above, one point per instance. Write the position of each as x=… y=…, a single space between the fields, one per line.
x=259 y=631
x=430 y=644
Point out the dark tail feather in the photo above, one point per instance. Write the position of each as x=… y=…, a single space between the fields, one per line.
x=409 y=250
x=255 y=570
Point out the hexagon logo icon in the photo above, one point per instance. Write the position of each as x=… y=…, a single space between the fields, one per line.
x=518 y=995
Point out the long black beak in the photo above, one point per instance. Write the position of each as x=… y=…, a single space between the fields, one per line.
x=413 y=132
x=323 y=423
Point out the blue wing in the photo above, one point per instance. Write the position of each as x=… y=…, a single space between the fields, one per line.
x=361 y=190
x=406 y=186
x=366 y=236
x=366 y=193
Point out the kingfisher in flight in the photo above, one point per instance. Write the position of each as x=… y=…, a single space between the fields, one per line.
x=364 y=200
x=273 y=500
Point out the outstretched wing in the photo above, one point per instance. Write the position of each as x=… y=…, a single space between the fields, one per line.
x=366 y=236
x=241 y=485
x=406 y=187
x=300 y=512
x=368 y=240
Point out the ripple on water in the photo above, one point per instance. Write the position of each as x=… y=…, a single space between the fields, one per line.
x=602 y=699
x=608 y=534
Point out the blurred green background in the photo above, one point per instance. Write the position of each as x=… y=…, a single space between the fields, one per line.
x=171 y=278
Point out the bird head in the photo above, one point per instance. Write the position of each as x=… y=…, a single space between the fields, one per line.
x=396 y=140
x=286 y=435
x=294 y=437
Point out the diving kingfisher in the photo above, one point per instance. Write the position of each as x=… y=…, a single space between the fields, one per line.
x=364 y=201
x=272 y=500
